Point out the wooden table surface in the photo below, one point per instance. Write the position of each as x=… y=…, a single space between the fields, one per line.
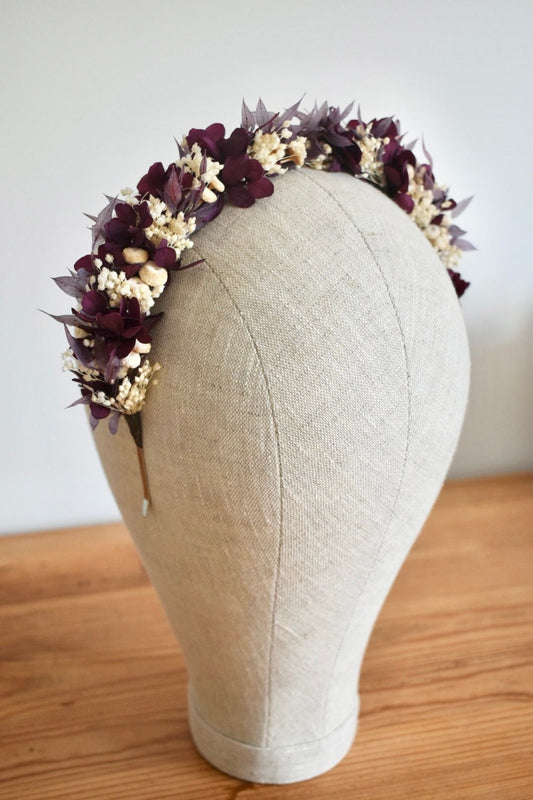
x=92 y=681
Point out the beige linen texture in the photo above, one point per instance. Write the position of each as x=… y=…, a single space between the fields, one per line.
x=314 y=382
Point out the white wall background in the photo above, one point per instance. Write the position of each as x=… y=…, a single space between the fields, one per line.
x=93 y=92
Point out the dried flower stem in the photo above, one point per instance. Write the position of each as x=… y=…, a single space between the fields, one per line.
x=144 y=477
x=135 y=426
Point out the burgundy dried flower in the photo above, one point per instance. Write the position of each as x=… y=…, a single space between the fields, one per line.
x=245 y=181
x=127 y=228
x=460 y=285
x=213 y=143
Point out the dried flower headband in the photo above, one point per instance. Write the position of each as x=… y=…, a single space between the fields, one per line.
x=139 y=237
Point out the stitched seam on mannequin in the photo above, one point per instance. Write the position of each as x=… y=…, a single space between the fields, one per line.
x=207 y=724
x=385 y=539
x=268 y=702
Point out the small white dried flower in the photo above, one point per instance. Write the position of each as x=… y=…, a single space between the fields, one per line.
x=176 y=230
x=270 y=151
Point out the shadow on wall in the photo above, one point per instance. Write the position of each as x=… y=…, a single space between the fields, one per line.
x=498 y=430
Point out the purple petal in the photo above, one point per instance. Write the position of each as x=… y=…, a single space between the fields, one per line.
x=261 y=188
x=240 y=196
x=208 y=211
x=99 y=412
x=393 y=176
x=235 y=145
x=93 y=303
x=165 y=257
x=113 y=321
x=154 y=180
x=405 y=201
x=235 y=168
x=85 y=263
x=254 y=170
x=114 y=419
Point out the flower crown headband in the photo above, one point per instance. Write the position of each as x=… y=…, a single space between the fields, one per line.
x=139 y=237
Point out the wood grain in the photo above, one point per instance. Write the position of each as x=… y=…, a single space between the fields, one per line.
x=92 y=681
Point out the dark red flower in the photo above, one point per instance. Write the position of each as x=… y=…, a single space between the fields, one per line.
x=117 y=328
x=213 y=143
x=127 y=228
x=460 y=285
x=154 y=181
x=395 y=159
x=208 y=139
x=164 y=256
x=245 y=180
x=85 y=263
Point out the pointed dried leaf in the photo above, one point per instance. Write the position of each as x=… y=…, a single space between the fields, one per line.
x=289 y=113
x=102 y=219
x=114 y=419
x=347 y=110
x=81 y=352
x=262 y=116
x=455 y=231
x=70 y=285
x=81 y=401
x=65 y=319
x=172 y=192
x=460 y=207
x=463 y=245
x=427 y=154
x=247 y=117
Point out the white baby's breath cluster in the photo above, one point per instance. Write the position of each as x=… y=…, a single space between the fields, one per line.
x=371 y=167
x=117 y=287
x=277 y=148
x=131 y=394
x=175 y=229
